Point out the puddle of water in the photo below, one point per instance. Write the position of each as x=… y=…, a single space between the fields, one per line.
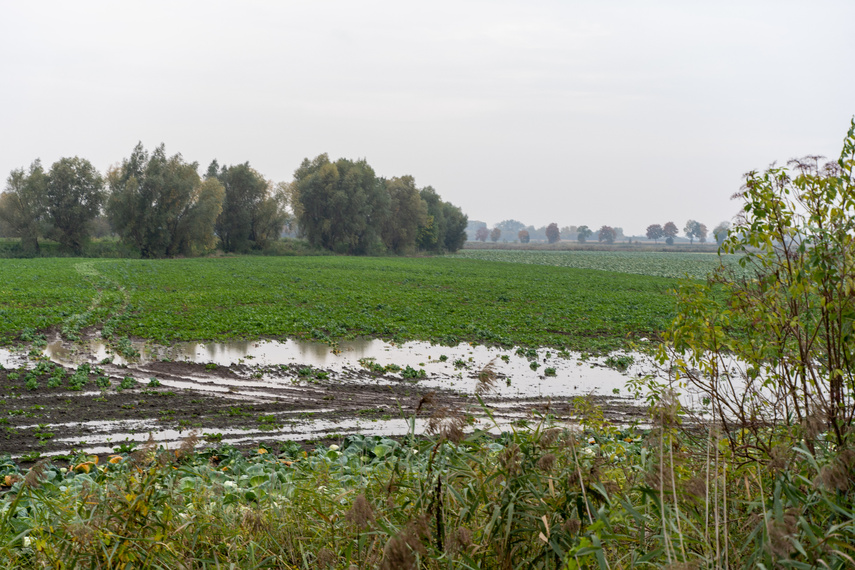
x=445 y=367
x=9 y=359
x=269 y=373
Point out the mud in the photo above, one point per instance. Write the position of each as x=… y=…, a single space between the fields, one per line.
x=248 y=402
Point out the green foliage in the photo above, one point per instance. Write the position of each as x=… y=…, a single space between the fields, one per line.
x=583 y=233
x=127 y=383
x=73 y=197
x=780 y=350
x=343 y=205
x=159 y=204
x=407 y=213
x=533 y=497
x=620 y=362
x=23 y=206
x=675 y=265
x=253 y=214
x=694 y=230
x=412 y=373
x=314 y=298
x=80 y=378
x=553 y=234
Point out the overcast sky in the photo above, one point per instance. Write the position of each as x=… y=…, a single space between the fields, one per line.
x=576 y=112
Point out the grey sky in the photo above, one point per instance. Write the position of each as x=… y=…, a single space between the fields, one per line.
x=597 y=112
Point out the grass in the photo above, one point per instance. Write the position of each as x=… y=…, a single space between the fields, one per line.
x=536 y=496
x=694 y=265
x=435 y=299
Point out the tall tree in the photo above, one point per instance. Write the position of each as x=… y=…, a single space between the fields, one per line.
x=669 y=230
x=432 y=232
x=720 y=232
x=407 y=213
x=253 y=214
x=161 y=206
x=74 y=195
x=342 y=205
x=455 y=227
x=482 y=234
x=445 y=227
x=22 y=205
x=523 y=236
x=510 y=227
x=695 y=229
x=553 y=234
x=583 y=233
x=655 y=232
x=495 y=234
x=606 y=234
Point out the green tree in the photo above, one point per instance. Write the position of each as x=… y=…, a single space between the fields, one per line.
x=161 y=206
x=553 y=234
x=342 y=205
x=720 y=232
x=253 y=213
x=432 y=232
x=74 y=195
x=510 y=227
x=695 y=229
x=445 y=227
x=455 y=227
x=407 y=213
x=777 y=347
x=583 y=233
x=22 y=205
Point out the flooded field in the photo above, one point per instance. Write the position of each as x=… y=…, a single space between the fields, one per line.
x=247 y=393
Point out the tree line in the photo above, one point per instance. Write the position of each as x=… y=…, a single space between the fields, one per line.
x=344 y=206
x=162 y=207
x=517 y=231
x=551 y=233
x=693 y=230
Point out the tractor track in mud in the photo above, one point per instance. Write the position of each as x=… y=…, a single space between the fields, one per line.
x=245 y=406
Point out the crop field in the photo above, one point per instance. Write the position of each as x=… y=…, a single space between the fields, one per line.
x=675 y=265
x=328 y=298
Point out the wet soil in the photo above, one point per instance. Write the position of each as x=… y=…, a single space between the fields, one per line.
x=241 y=404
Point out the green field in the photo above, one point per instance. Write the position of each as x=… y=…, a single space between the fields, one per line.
x=327 y=298
x=693 y=265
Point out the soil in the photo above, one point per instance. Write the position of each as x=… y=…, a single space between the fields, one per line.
x=240 y=404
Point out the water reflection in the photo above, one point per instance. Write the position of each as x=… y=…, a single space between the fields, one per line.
x=521 y=374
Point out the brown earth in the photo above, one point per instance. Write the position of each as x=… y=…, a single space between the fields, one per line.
x=243 y=405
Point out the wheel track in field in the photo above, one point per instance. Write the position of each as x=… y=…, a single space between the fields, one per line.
x=115 y=309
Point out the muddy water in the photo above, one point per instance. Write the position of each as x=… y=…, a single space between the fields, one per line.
x=445 y=367
x=338 y=394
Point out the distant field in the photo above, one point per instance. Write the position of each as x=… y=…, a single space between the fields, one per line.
x=659 y=264
x=327 y=298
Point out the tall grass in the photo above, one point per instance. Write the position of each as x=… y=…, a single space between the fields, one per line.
x=539 y=497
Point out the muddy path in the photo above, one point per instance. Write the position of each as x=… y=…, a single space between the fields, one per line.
x=100 y=407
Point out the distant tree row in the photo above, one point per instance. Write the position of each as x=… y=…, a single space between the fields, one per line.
x=162 y=207
x=693 y=229
x=551 y=233
x=344 y=207
x=656 y=232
